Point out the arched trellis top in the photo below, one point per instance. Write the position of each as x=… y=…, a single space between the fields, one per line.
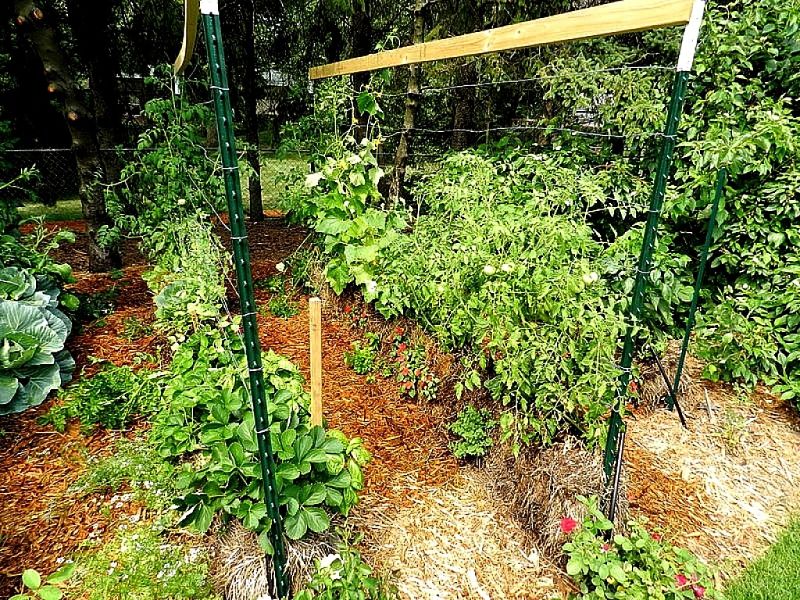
x=625 y=16
x=191 y=12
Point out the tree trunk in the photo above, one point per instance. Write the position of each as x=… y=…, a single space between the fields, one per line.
x=404 y=148
x=238 y=20
x=361 y=43
x=80 y=121
x=91 y=24
x=464 y=105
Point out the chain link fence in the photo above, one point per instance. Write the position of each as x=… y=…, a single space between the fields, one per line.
x=56 y=175
x=57 y=179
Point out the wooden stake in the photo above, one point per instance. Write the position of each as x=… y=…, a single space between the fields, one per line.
x=315 y=333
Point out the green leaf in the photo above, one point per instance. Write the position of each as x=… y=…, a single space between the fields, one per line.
x=287 y=472
x=573 y=567
x=317 y=495
x=316 y=519
x=367 y=103
x=265 y=542
x=295 y=526
x=617 y=573
x=31 y=579
x=49 y=592
x=202 y=517
x=62 y=574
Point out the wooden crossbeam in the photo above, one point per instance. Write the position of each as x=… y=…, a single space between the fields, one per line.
x=191 y=11
x=625 y=16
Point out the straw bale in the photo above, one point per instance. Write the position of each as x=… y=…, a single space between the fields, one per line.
x=240 y=570
x=541 y=487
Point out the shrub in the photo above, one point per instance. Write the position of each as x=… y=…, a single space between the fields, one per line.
x=637 y=566
x=33 y=333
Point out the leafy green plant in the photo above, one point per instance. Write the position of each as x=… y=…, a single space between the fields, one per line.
x=189 y=277
x=135 y=329
x=637 y=566
x=139 y=563
x=339 y=203
x=133 y=464
x=33 y=251
x=363 y=359
x=282 y=306
x=412 y=370
x=171 y=176
x=111 y=398
x=345 y=575
x=44 y=588
x=474 y=427
x=33 y=333
x=208 y=415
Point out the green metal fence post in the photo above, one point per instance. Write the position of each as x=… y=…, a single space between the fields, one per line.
x=241 y=253
x=615 y=441
x=722 y=177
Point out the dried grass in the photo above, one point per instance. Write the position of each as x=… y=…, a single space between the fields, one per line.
x=728 y=483
x=541 y=487
x=652 y=387
x=452 y=542
x=240 y=570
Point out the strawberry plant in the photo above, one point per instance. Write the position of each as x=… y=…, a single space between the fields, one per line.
x=208 y=418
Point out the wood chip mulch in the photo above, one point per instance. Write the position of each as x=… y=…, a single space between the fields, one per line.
x=41 y=521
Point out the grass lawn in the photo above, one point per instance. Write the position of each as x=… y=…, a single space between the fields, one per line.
x=774 y=576
x=64 y=210
x=272 y=170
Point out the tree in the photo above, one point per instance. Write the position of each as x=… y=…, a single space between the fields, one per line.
x=91 y=25
x=412 y=103
x=41 y=31
x=238 y=22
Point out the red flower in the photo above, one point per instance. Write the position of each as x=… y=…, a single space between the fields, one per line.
x=408 y=385
x=568 y=525
x=699 y=591
x=606 y=547
x=680 y=580
x=633 y=387
x=399 y=331
x=402 y=347
x=656 y=536
x=348 y=309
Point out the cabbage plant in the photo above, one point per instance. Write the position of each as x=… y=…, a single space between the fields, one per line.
x=33 y=332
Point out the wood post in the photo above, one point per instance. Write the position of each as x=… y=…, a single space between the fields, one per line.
x=315 y=333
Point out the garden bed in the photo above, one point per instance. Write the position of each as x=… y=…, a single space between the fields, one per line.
x=722 y=488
